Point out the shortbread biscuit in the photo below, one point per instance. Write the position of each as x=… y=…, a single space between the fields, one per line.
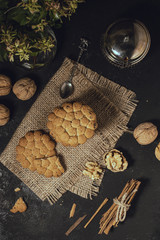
x=36 y=151
x=72 y=123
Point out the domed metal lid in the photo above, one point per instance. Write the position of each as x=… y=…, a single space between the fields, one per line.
x=126 y=42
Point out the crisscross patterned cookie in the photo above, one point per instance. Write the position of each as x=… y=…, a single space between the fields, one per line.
x=36 y=151
x=72 y=123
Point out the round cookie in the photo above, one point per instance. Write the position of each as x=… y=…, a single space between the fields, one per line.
x=72 y=123
x=36 y=151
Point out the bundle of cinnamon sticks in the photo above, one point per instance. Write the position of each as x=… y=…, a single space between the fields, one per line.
x=117 y=212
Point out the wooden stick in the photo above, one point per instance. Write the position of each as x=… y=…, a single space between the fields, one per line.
x=111 y=212
x=108 y=228
x=106 y=214
x=109 y=218
x=79 y=220
x=72 y=212
x=138 y=184
x=99 y=208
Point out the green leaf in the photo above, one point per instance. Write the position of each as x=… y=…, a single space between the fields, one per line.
x=3 y=53
x=19 y=15
x=5 y=56
x=34 y=54
x=36 y=18
x=42 y=14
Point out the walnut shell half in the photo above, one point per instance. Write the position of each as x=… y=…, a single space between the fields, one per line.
x=5 y=85
x=145 y=133
x=24 y=88
x=115 y=161
x=4 y=114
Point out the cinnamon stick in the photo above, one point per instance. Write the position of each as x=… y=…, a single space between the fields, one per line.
x=72 y=212
x=110 y=214
x=99 y=208
x=108 y=228
x=79 y=220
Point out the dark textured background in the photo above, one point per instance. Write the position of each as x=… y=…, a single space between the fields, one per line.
x=44 y=222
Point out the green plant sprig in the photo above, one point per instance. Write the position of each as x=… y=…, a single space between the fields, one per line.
x=18 y=44
x=23 y=23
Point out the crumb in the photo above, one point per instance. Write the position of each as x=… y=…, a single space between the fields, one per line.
x=17 y=189
x=19 y=206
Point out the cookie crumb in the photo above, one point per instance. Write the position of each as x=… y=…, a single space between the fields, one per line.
x=19 y=206
x=17 y=189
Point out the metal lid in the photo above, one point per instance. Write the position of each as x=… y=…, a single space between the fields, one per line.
x=126 y=42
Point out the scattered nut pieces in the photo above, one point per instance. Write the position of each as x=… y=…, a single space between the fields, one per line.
x=157 y=151
x=17 y=189
x=115 y=161
x=92 y=170
x=19 y=206
x=145 y=133
x=5 y=85
x=4 y=114
x=24 y=88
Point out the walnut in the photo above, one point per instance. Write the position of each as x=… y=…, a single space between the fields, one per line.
x=145 y=133
x=24 y=88
x=92 y=170
x=5 y=85
x=115 y=161
x=4 y=114
x=157 y=151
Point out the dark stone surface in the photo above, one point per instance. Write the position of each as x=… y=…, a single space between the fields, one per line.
x=44 y=222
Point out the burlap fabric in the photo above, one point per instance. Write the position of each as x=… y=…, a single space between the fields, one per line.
x=113 y=106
